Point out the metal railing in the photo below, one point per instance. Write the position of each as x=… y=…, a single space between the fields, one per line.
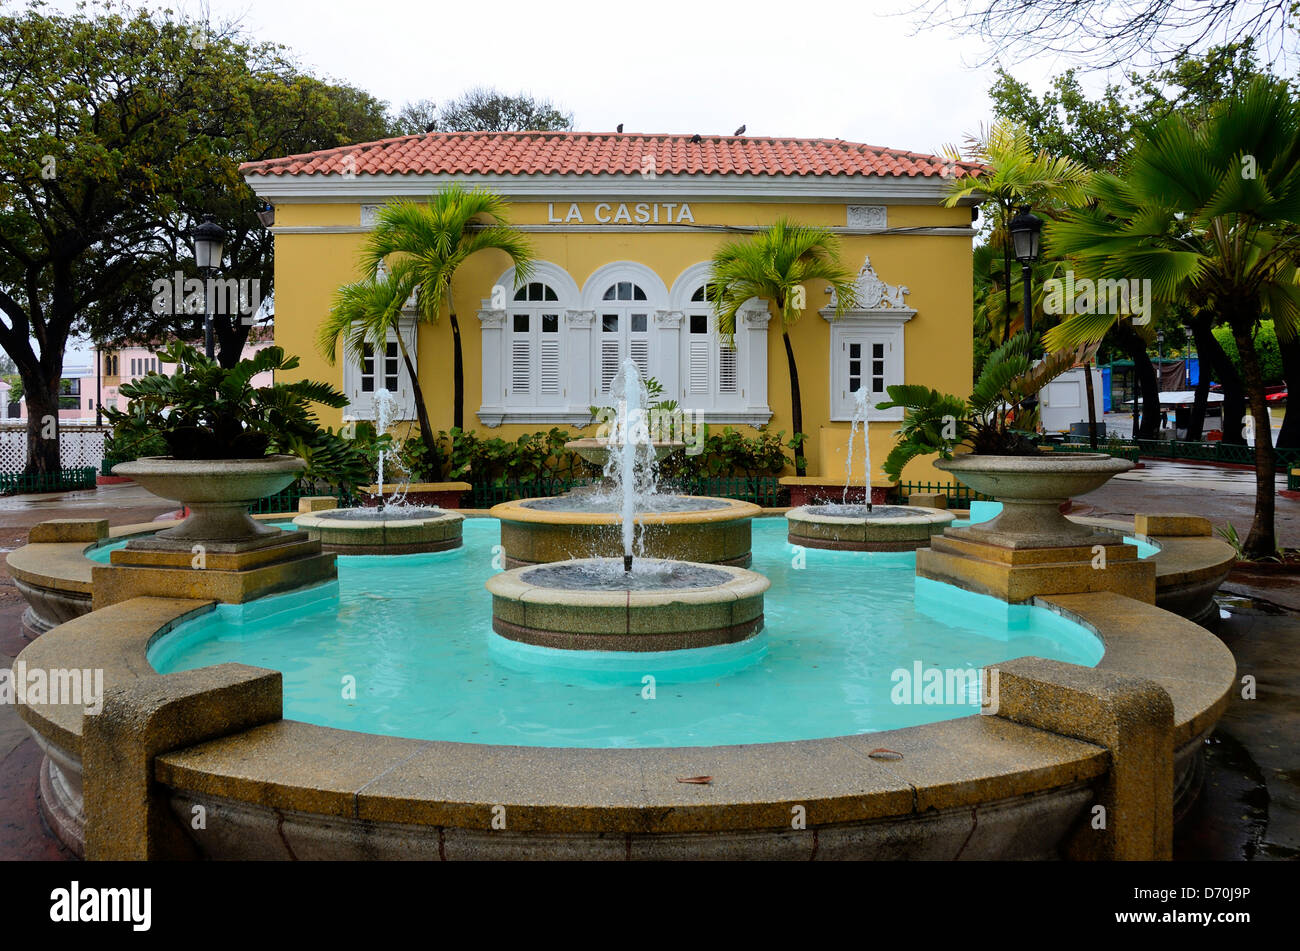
x=65 y=480
x=1181 y=451
x=954 y=491
x=766 y=491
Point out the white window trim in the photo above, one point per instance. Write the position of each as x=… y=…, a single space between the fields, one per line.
x=362 y=405
x=748 y=405
x=495 y=329
x=880 y=315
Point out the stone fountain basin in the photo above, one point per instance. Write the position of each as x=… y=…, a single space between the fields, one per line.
x=886 y=528
x=1032 y=489
x=373 y=531
x=704 y=615
x=212 y=480
x=717 y=533
x=1046 y=478
x=217 y=493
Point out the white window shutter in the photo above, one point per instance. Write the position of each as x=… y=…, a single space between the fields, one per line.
x=549 y=369
x=640 y=353
x=726 y=369
x=520 y=367
x=697 y=370
x=609 y=360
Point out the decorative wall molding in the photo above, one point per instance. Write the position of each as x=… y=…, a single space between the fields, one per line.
x=755 y=316
x=867 y=217
x=580 y=318
x=669 y=318
x=874 y=297
x=492 y=318
x=369 y=213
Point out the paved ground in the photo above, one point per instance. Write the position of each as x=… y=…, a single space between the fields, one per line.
x=1250 y=804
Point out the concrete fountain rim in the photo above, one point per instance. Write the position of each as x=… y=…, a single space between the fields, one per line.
x=725 y=510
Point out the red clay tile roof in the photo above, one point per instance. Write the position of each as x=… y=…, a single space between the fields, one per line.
x=586 y=153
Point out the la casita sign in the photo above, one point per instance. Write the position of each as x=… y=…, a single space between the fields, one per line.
x=611 y=213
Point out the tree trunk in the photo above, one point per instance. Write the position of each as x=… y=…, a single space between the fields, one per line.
x=422 y=414
x=1262 y=540
x=231 y=334
x=457 y=376
x=796 y=411
x=1148 y=386
x=1092 y=406
x=42 y=398
x=1234 y=394
x=1289 y=435
x=1204 y=340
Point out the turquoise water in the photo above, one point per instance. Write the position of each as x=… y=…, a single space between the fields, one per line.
x=844 y=632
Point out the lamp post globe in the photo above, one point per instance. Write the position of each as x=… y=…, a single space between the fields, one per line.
x=209 y=247
x=1026 y=241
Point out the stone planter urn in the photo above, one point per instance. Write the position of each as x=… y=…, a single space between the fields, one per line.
x=596 y=451
x=1032 y=490
x=217 y=493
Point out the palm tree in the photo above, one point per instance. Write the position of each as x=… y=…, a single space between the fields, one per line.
x=1014 y=174
x=367 y=311
x=423 y=244
x=1208 y=213
x=777 y=264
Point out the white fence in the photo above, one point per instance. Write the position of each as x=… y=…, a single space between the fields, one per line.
x=78 y=446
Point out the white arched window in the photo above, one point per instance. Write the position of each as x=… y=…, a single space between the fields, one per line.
x=727 y=382
x=534 y=320
x=623 y=329
x=534 y=345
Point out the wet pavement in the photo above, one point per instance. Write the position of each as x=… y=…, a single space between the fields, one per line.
x=1249 y=804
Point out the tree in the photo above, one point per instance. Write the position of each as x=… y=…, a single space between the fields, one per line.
x=1210 y=213
x=483 y=109
x=367 y=312
x=424 y=244
x=1014 y=173
x=104 y=121
x=271 y=110
x=777 y=265
x=1099 y=133
x=1105 y=34
x=416 y=117
x=117 y=131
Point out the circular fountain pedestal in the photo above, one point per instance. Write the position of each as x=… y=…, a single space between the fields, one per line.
x=592 y=604
x=685 y=528
x=855 y=528
x=392 y=531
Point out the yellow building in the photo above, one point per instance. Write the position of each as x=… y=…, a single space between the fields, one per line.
x=623 y=228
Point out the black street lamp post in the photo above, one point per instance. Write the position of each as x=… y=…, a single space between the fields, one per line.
x=209 y=245
x=1026 y=234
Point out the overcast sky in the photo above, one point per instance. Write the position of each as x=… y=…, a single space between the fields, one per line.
x=819 y=68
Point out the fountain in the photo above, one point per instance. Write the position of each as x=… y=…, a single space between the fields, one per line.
x=863 y=526
x=628 y=602
x=391 y=527
x=596 y=521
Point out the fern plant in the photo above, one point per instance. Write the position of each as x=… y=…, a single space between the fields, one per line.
x=205 y=411
x=992 y=421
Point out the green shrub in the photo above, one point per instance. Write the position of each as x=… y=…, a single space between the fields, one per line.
x=1270 y=357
